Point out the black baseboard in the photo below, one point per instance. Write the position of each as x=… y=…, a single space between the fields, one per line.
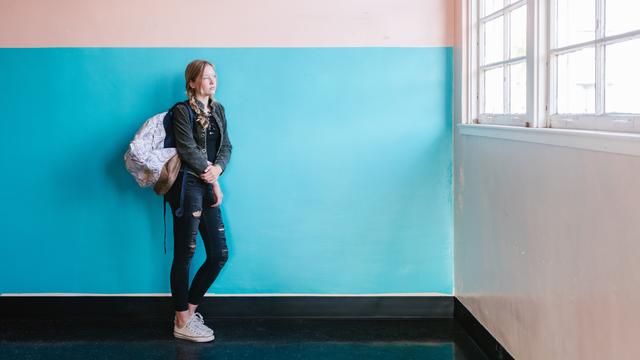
x=489 y=345
x=54 y=307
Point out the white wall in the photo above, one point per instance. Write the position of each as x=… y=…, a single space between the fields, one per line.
x=547 y=246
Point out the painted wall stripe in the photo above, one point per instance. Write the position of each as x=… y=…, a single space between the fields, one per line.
x=227 y=23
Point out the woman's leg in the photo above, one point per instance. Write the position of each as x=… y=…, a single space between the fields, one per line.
x=185 y=228
x=215 y=243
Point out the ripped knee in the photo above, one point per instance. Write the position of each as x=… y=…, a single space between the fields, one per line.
x=196 y=214
x=192 y=246
x=224 y=256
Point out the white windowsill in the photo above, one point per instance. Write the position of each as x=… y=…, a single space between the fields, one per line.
x=610 y=142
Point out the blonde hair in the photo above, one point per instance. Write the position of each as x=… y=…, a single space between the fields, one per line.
x=193 y=73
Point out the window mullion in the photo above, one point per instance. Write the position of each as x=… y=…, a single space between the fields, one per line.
x=498 y=64
x=473 y=65
x=600 y=56
x=506 y=74
x=537 y=63
x=480 y=60
x=552 y=60
x=600 y=78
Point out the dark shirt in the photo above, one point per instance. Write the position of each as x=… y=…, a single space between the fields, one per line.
x=213 y=139
x=196 y=145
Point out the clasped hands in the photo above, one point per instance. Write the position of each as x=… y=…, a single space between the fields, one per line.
x=210 y=175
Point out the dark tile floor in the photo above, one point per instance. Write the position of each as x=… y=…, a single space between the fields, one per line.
x=307 y=339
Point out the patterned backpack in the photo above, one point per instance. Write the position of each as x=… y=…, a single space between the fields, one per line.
x=152 y=158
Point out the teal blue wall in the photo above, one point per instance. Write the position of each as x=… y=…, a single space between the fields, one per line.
x=340 y=179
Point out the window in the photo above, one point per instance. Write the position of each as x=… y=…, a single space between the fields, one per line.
x=554 y=63
x=593 y=72
x=502 y=62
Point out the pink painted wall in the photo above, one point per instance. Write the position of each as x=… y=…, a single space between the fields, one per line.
x=227 y=23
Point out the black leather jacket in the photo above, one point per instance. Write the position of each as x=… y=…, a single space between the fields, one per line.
x=191 y=147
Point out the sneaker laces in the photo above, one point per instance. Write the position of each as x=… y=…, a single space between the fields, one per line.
x=200 y=322
x=194 y=325
x=199 y=317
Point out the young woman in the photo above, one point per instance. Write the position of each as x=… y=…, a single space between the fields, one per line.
x=202 y=143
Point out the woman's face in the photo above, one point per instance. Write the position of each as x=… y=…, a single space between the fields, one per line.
x=208 y=82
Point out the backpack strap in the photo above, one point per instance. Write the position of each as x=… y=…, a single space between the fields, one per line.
x=190 y=111
x=164 y=219
x=180 y=210
x=169 y=140
x=192 y=115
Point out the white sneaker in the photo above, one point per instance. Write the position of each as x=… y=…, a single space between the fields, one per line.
x=200 y=323
x=200 y=320
x=193 y=331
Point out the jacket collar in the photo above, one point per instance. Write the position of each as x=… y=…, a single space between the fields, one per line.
x=213 y=113
x=201 y=104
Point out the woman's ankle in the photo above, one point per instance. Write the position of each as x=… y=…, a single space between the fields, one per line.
x=192 y=308
x=182 y=317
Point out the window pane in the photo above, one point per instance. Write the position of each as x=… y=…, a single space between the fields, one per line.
x=518 y=88
x=493 y=91
x=576 y=21
x=491 y=6
x=519 y=32
x=622 y=77
x=577 y=82
x=622 y=16
x=494 y=41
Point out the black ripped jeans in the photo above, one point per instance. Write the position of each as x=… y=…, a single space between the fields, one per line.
x=192 y=211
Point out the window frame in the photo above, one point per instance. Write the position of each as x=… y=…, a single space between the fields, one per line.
x=541 y=86
x=476 y=68
x=601 y=120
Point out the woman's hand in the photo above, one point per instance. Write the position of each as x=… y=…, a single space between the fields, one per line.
x=211 y=173
x=217 y=193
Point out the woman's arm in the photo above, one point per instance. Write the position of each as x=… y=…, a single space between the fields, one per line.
x=217 y=193
x=225 y=147
x=185 y=143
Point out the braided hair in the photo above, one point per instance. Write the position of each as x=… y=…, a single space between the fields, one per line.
x=193 y=73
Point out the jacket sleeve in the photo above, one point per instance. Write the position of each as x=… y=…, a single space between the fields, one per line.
x=185 y=143
x=225 y=147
